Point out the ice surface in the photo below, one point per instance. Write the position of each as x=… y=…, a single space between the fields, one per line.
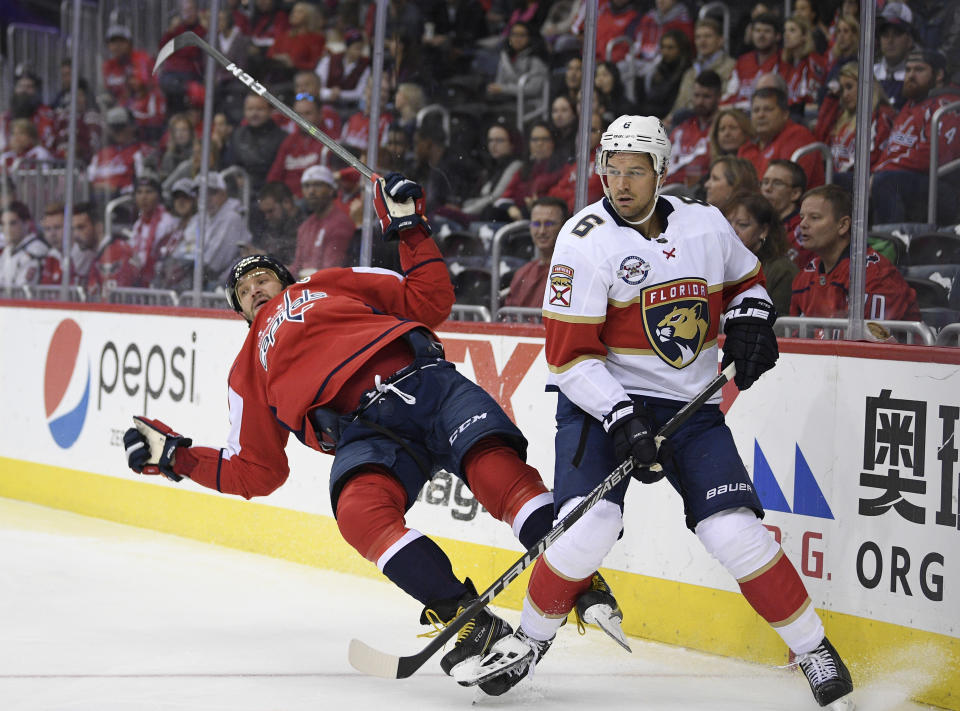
x=97 y=616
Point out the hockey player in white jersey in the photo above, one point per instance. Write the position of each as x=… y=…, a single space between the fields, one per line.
x=636 y=291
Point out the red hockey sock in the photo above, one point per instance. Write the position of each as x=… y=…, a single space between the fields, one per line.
x=370 y=512
x=499 y=479
x=552 y=594
x=775 y=591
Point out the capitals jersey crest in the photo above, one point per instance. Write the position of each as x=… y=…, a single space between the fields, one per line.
x=676 y=318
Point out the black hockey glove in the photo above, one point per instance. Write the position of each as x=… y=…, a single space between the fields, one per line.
x=151 y=447
x=751 y=343
x=399 y=203
x=630 y=426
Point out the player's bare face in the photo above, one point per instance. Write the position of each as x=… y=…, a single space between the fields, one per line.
x=632 y=183
x=255 y=289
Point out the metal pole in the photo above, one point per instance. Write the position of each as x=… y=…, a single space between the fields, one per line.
x=213 y=31
x=67 y=236
x=373 y=137
x=584 y=158
x=861 y=177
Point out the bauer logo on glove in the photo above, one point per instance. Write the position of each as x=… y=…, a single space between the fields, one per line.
x=399 y=203
x=152 y=446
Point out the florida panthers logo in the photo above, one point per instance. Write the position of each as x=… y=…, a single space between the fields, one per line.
x=676 y=317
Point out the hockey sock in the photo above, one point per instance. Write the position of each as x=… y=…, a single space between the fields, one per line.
x=779 y=596
x=370 y=515
x=550 y=597
x=510 y=489
x=767 y=578
x=419 y=567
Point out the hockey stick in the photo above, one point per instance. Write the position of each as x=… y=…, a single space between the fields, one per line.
x=189 y=39
x=370 y=661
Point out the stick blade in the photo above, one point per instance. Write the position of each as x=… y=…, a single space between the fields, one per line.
x=373 y=662
x=177 y=43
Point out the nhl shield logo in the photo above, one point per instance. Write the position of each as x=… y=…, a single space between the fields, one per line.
x=676 y=318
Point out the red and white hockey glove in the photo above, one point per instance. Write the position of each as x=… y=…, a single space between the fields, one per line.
x=152 y=446
x=399 y=203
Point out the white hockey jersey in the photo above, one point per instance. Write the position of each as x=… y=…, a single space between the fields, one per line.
x=627 y=314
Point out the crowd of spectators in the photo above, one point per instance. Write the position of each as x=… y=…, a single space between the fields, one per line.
x=736 y=112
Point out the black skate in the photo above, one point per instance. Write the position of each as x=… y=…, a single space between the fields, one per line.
x=475 y=638
x=598 y=606
x=511 y=659
x=826 y=672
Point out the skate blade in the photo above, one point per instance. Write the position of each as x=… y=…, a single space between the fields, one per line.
x=843 y=704
x=471 y=672
x=608 y=622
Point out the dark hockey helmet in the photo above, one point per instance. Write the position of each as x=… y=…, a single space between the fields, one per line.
x=245 y=265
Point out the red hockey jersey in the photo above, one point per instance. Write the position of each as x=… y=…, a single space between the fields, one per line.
x=792 y=137
x=817 y=292
x=909 y=144
x=843 y=139
x=744 y=77
x=690 y=154
x=303 y=346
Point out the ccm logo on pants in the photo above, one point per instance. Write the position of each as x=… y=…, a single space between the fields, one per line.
x=465 y=425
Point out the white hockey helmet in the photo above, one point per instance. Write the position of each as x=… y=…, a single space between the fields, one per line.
x=636 y=134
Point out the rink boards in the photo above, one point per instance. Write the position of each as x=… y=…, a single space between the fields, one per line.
x=852 y=448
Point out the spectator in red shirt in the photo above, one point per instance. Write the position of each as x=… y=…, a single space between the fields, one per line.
x=300 y=46
x=547 y=216
x=23 y=151
x=778 y=136
x=356 y=130
x=152 y=228
x=89 y=126
x=841 y=138
x=822 y=287
x=343 y=76
x=763 y=58
x=618 y=19
x=324 y=238
x=26 y=258
x=25 y=103
x=113 y=167
x=783 y=185
x=266 y=24
x=123 y=62
x=690 y=140
x=86 y=233
x=540 y=171
x=298 y=151
x=900 y=187
x=665 y=15
x=184 y=66
x=148 y=106
x=800 y=65
x=566 y=186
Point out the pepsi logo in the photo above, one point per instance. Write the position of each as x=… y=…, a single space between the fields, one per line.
x=66 y=384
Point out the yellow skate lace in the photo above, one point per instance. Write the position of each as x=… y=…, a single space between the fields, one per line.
x=438 y=625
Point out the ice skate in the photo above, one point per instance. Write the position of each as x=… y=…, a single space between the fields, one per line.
x=828 y=676
x=510 y=659
x=475 y=638
x=597 y=606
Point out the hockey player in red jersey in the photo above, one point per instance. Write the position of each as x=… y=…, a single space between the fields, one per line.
x=638 y=285
x=347 y=361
